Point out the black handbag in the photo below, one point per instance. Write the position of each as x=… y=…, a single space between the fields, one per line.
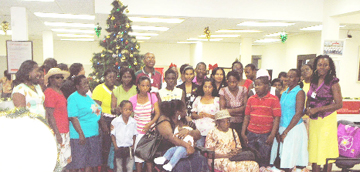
x=149 y=143
x=277 y=159
x=246 y=154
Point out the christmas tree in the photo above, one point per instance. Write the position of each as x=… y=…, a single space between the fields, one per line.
x=120 y=49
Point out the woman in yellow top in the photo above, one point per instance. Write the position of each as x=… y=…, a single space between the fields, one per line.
x=306 y=73
x=102 y=96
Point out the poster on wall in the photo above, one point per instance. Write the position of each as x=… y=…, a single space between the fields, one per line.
x=16 y=53
x=334 y=47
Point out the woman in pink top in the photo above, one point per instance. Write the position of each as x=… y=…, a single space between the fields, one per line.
x=144 y=103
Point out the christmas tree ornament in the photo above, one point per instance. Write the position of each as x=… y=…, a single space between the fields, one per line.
x=112 y=18
x=133 y=40
x=104 y=40
x=98 y=63
x=283 y=37
x=132 y=48
x=125 y=51
x=127 y=25
x=127 y=10
x=119 y=69
x=121 y=39
x=97 y=30
x=207 y=32
x=137 y=46
x=135 y=63
x=120 y=55
x=114 y=55
x=97 y=80
x=116 y=63
x=117 y=47
x=131 y=55
x=118 y=9
x=102 y=55
x=108 y=36
x=126 y=42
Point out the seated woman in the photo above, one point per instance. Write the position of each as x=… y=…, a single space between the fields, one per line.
x=222 y=140
x=174 y=112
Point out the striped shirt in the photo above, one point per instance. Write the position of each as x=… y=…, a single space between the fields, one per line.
x=142 y=115
x=262 y=112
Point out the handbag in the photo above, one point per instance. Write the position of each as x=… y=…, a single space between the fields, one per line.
x=246 y=154
x=348 y=140
x=277 y=159
x=149 y=143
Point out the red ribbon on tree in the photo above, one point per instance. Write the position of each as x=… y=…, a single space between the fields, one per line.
x=211 y=67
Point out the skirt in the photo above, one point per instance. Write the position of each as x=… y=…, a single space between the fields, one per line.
x=294 y=149
x=64 y=150
x=323 y=141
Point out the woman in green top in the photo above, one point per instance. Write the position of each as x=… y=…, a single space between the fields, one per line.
x=126 y=90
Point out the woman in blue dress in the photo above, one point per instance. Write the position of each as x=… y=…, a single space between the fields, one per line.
x=293 y=136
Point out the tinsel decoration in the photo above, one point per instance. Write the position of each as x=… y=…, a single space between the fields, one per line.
x=207 y=32
x=283 y=36
x=98 y=30
x=5 y=26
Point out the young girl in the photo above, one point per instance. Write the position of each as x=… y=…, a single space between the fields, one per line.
x=123 y=135
x=174 y=154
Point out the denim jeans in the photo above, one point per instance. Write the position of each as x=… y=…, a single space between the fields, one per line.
x=257 y=141
x=174 y=154
x=201 y=141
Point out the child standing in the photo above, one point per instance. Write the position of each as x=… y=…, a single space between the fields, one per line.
x=174 y=154
x=262 y=117
x=123 y=134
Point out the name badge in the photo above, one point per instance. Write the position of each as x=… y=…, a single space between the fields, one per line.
x=313 y=95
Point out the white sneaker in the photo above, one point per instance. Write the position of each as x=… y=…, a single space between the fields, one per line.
x=167 y=167
x=159 y=160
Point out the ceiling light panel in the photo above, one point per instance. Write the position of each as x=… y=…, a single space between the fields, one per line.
x=156 y=20
x=197 y=39
x=252 y=23
x=77 y=39
x=63 y=24
x=237 y=31
x=142 y=34
x=75 y=36
x=150 y=28
x=317 y=27
x=275 y=34
x=73 y=30
x=143 y=37
x=267 y=40
x=64 y=16
x=8 y=32
x=187 y=42
x=220 y=36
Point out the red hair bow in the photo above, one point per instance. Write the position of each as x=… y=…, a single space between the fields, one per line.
x=211 y=67
x=172 y=65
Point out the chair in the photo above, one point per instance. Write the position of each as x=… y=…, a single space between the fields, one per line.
x=208 y=154
x=343 y=162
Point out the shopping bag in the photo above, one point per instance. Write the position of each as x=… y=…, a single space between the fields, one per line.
x=349 y=140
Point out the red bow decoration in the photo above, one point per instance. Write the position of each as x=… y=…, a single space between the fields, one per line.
x=172 y=65
x=211 y=67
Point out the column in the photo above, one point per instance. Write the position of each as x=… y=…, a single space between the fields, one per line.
x=246 y=51
x=19 y=24
x=48 y=45
x=196 y=53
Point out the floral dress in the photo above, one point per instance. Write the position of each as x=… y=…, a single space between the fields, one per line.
x=222 y=143
x=204 y=125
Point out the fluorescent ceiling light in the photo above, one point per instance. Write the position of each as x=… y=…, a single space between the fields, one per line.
x=41 y=0
x=154 y=28
x=143 y=37
x=73 y=30
x=252 y=23
x=237 y=31
x=64 y=16
x=63 y=24
x=8 y=32
x=77 y=39
x=186 y=42
x=275 y=34
x=220 y=36
x=140 y=41
x=156 y=20
x=75 y=36
x=267 y=40
x=317 y=27
x=142 y=34
x=196 y=39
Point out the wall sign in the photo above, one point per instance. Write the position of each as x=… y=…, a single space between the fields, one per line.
x=17 y=52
